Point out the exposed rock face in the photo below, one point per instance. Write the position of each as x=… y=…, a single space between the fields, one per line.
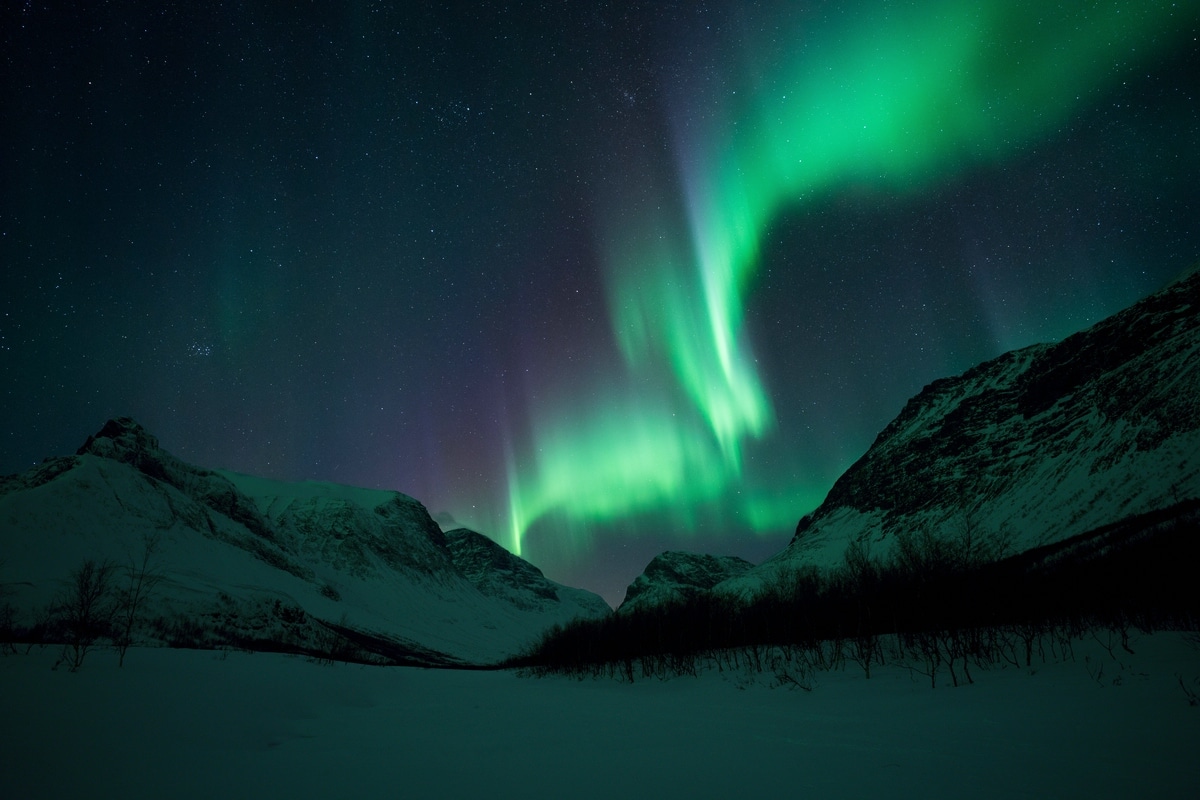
x=372 y=562
x=498 y=573
x=358 y=538
x=675 y=575
x=125 y=441
x=1037 y=445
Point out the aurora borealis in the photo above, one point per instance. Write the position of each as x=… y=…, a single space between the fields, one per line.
x=598 y=281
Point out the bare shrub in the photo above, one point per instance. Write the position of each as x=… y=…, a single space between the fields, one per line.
x=140 y=581
x=84 y=610
x=1190 y=691
x=8 y=618
x=8 y=627
x=330 y=644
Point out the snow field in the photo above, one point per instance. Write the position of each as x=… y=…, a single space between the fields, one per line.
x=229 y=724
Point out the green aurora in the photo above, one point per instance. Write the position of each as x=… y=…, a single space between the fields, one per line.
x=891 y=100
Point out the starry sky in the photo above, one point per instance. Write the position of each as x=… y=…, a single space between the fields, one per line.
x=598 y=279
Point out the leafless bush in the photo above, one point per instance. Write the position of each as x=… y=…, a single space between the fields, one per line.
x=1192 y=692
x=140 y=581
x=331 y=644
x=924 y=645
x=864 y=650
x=8 y=626
x=792 y=668
x=84 y=609
x=8 y=618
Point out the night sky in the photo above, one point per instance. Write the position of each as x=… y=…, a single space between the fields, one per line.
x=597 y=279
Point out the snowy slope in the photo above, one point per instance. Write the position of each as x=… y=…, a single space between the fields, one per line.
x=1037 y=445
x=232 y=545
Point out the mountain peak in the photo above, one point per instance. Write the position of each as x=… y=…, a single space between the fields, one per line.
x=677 y=575
x=270 y=564
x=119 y=436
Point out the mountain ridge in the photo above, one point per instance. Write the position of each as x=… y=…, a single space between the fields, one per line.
x=252 y=557
x=1035 y=445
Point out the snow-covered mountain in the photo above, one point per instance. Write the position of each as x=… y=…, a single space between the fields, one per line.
x=261 y=560
x=1035 y=446
x=497 y=573
x=676 y=575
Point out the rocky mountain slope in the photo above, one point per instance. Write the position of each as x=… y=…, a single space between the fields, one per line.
x=676 y=575
x=1035 y=446
x=246 y=559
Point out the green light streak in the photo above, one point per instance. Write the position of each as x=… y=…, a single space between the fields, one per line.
x=895 y=101
x=661 y=312
x=624 y=459
x=776 y=512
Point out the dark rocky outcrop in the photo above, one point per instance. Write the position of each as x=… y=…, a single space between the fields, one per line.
x=676 y=575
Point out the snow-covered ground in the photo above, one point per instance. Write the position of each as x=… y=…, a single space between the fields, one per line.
x=209 y=724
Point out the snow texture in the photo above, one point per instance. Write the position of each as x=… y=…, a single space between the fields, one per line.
x=203 y=724
x=234 y=547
